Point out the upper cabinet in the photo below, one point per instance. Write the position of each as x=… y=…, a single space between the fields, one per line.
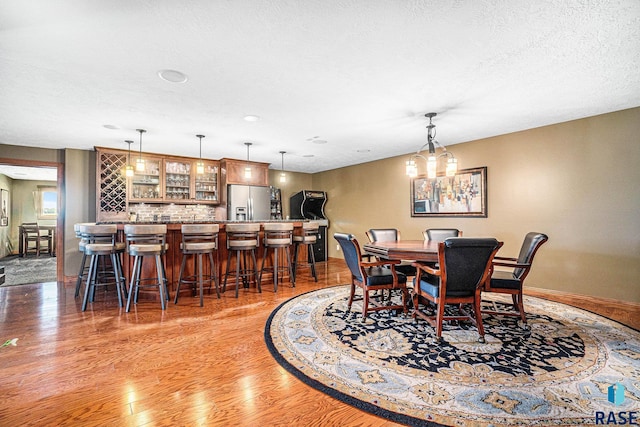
x=233 y=172
x=177 y=182
x=164 y=179
x=146 y=183
x=206 y=183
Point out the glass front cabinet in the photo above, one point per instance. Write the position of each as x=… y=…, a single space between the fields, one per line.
x=160 y=179
x=206 y=184
x=177 y=180
x=146 y=183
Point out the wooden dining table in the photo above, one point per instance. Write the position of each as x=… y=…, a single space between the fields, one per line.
x=419 y=250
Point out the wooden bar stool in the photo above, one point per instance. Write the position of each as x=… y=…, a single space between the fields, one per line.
x=278 y=238
x=242 y=240
x=308 y=238
x=199 y=240
x=84 y=268
x=146 y=241
x=100 y=242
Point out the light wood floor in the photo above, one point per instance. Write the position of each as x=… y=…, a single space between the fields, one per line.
x=186 y=366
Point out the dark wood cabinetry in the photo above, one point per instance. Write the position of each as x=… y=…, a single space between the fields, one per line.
x=164 y=179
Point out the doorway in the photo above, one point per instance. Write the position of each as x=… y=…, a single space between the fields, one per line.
x=27 y=188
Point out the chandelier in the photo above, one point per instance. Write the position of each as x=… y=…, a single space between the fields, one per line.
x=432 y=159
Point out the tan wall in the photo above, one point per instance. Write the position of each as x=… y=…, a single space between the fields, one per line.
x=296 y=181
x=578 y=182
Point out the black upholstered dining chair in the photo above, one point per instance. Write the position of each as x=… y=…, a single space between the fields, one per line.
x=371 y=276
x=511 y=281
x=391 y=235
x=465 y=266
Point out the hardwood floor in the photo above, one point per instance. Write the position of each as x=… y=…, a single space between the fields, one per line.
x=185 y=366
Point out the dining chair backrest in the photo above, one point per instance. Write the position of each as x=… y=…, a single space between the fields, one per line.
x=383 y=235
x=532 y=241
x=440 y=234
x=466 y=263
x=351 y=252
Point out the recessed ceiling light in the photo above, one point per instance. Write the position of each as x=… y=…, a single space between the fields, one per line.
x=363 y=151
x=172 y=76
x=308 y=155
x=112 y=127
x=251 y=118
x=319 y=141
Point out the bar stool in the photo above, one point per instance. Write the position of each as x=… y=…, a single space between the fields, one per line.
x=100 y=241
x=242 y=239
x=199 y=240
x=278 y=237
x=84 y=268
x=146 y=241
x=308 y=238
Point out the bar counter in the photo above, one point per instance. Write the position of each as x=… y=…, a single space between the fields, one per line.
x=173 y=257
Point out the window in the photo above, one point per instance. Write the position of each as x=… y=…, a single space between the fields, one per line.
x=47 y=201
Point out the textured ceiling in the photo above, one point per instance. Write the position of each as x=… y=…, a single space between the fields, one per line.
x=359 y=75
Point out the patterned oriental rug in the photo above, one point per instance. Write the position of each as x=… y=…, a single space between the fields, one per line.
x=559 y=372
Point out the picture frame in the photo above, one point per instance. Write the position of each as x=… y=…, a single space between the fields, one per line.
x=4 y=208
x=461 y=195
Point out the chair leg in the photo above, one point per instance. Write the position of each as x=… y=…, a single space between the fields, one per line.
x=214 y=274
x=478 y=315
x=161 y=286
x=238 y=272
x=264 y=258
x=116 y=273
x=439 y=320
x=200 y=280
x=295 y=261
x=519 y=303
x=365 y=304
x=226 y=273
x=276 y=267
x=133 y=284
x=88 y=287
x=292 y=278
x=184 y=260
x=313 y=262
x=351 y=294
x=255 y=270
x=80 y=274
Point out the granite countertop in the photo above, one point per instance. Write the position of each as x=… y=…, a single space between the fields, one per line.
x=203 y=222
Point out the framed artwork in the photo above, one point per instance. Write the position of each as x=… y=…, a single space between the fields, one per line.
x=4 y=205
x=461 y=195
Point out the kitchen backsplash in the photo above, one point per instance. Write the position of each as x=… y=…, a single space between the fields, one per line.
x=144 y=212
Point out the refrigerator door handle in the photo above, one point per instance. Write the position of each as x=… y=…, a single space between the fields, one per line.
x=250 y=209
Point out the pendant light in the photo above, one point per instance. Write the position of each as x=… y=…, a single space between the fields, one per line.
x=432 y=159
x=128 y=169
x=200 y=164
x=247 y=169
x=140 y=166
x=283 y=176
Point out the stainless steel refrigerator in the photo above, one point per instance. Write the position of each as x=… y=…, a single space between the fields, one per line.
x=248 y=203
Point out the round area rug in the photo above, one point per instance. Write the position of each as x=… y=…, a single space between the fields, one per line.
x=560 y=371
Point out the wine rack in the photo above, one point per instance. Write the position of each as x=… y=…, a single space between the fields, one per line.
x=112 y=186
